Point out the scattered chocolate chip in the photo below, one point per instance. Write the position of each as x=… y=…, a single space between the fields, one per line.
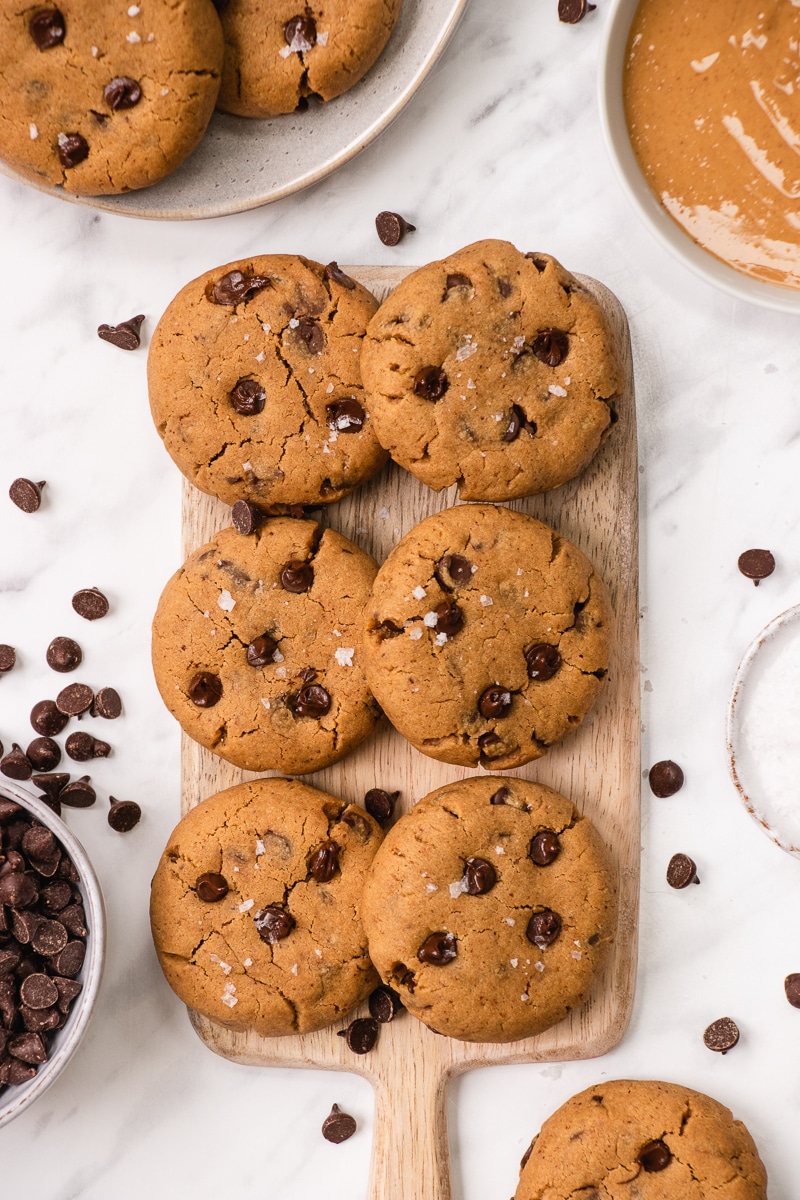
x=43 y=754
x=273 y=923
x=721 y=1035
x=791 y=985
x=248 y=397
x=123 y=815
x=47 y=28
x=310 y=332
x=335 y=273
x=297 y=576
x=63 y=654
x=384 y=1004
x=655 y=1156
x=247 y=517
x=438 y=949
x=544 y=848
x=495 y=702
x=681 y=871
x=211 y=887
x=8 y=658
x=73 y=148
x=550 y=346
x=107 y=704
x=666 y=778
x=261 y=651
x=51 y=784
x=205 y=689
x=380 y=805
x=324 y=863
x=573 y=11
x=122 y=92
x=756 y=564
x=338 y=1126
x=311 y=701
x=79 y=794
x=500 y=796
x=90 y=603
x=453 y=570
x=300 y=32
x=361 y=1034
x=346 y=416
x=543 y=928
x=80 y=747
x=236 y=287
x=47 y=719
x=457 y=280
x=449 y=617
x=26 y=494
x=392 y=228
x=431 y=383
x=16 y=764
x=74 y=699
x=479 y=877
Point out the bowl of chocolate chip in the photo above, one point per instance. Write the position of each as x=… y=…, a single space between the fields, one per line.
x=700 y=121
x=52 y=947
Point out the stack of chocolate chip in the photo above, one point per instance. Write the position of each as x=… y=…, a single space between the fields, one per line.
x=42 y=941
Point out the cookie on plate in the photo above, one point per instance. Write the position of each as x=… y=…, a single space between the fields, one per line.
x=257 y=647
x=635 y=1138
x=255 y=384
x=103 y=98
x=490 y=908
x=255 y=907
x=492 y=369
x=279 y=52
x=488 y=637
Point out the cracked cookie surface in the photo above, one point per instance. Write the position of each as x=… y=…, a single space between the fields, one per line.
x=103 y=98
x=278 y=52
x=641 y=1140
x=458 y=867
x=255 y=384
x=487 y=637
x=492 y=369
x=257 y=646
x=267 y=840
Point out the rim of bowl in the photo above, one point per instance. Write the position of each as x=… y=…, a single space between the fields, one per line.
x=732 y=729
x=626 y=167
x=16 y=1099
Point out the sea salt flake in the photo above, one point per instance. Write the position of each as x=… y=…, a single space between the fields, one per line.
x=215 y=958
x=277 y=656
x=322 y=39
x=524 y=996
x=260 y=357
x=284 y=51
x=133 y=37
x=555 y=390
x=294 y=323
x=440 y=639
x=329 y=388
x=260 y=847
x=318 y=952
x=509 y=920
x=415 y=633
x=34 y=132
x=248 y=962
x=344 y=657
x=431 y=887
x=226 y=601
x=294 y=969
x=228 y=996
x=95 y=51
x=281 y=672
x=576 y=954
x=471 y=385
x=134 y=10
x=467 y=349
x=457 y=888
x=246 y=905
x=486 y=601
x=265 y=702
x=267 y=328
x=539 y=966
x=519 y=342
x=383 y=513
x=514 y=962
x=418 y=593
x=499 y=850
x=165 y=91
x=248 y=466
x=151 y=37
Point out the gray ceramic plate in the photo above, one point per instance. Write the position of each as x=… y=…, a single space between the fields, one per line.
x=243 y=163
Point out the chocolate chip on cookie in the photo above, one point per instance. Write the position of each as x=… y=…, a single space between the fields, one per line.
x=211 y=887
x=543 y=928
x=205 y=689
x=47 y=28
x=655 y=1156
x=122 y=92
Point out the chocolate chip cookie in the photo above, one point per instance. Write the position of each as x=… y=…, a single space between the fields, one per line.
x=490 y=908
x=628 y=1139
x=257 y=647
x=255 y=384
x=487 y=637
x=104 y=98
x=255 y=907
x=492 y=369
x=279 y=52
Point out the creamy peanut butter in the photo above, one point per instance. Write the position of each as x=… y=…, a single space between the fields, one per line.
x=712 y=100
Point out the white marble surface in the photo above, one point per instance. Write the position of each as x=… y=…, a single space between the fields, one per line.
x=504 y=141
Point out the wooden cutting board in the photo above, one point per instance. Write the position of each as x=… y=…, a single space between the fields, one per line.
x=598 y=768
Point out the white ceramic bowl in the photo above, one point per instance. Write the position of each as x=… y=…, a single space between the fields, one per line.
x=636 y=188
x=14 y=1100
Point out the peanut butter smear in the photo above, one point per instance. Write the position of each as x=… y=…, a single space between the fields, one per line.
x=712 y=101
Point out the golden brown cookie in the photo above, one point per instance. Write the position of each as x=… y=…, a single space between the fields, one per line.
x=490 y=908
x=101 y=98
x=492 y=369
x=255 y=384
x=279 y=52
x=641 y=1140
x=255 y=907
x=488 y=636
x=257 y=647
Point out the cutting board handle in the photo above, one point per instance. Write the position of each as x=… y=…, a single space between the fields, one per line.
x=410 y=1154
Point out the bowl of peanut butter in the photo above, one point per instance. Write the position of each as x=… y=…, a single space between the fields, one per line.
x=700 y=105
